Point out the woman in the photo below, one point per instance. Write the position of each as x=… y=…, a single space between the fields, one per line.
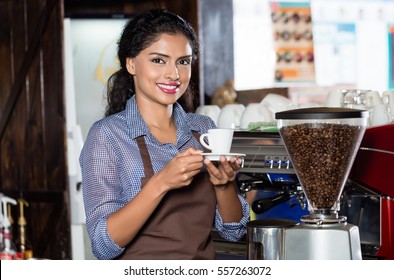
x=148 y=191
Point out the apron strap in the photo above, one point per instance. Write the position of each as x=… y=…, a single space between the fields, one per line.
x=148 y=169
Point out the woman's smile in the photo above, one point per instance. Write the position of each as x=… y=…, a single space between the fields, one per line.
x=169 y=88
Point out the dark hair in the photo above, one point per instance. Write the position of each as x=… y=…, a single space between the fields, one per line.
x=138 y=34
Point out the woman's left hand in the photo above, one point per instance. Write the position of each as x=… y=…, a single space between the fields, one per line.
x=224 y=172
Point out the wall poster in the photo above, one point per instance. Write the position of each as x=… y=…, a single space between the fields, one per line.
x=293 y=41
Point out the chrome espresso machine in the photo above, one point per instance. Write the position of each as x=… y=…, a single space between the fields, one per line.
x=369 y=199
x=270 y=184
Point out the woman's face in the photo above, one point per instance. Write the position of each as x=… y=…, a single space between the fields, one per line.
x=162 y=71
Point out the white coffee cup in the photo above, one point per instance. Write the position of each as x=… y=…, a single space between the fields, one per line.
x=335 y=98
x=219 y=140
x=388 y=99
x=255 y=112
x=212 y=111
x=230 y=116
x=276 y=102
x=373 y=99
x=380 y=115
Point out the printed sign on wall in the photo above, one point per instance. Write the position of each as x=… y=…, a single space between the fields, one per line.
x=293 y=41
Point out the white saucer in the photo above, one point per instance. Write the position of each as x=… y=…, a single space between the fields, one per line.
x=216 y=157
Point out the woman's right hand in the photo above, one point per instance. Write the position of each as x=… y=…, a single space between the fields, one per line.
x=179 y=172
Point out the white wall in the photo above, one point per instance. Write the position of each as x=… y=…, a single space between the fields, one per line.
x=358 y=57
x=94 y=47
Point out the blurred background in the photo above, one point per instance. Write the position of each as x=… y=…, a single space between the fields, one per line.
x=57 y=55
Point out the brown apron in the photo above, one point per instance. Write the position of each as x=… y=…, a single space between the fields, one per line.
x=180 y=226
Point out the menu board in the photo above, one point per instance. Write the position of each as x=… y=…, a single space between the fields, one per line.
x=293 y=41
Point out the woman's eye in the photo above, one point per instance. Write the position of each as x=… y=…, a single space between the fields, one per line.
x=184 y=61
x=157 y=60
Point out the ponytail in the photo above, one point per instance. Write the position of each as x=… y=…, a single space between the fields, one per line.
x=120 y=88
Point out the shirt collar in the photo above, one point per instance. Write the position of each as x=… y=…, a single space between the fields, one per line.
x=137 y=126
x=135 y=123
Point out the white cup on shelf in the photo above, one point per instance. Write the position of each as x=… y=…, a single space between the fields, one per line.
x=276 y=103
x=212 y=111
x=373 y=99
x=380 y=115
x=255 y=112
x=388 y=99
x=230 y=116
x=335 y=98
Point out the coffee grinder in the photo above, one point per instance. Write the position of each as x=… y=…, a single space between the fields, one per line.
x=322 y=144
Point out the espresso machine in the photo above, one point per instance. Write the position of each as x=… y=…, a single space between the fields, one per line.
x=322 y=144
x=269 y=182
x=368 y=199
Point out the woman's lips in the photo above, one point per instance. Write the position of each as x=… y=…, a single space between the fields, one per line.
x=169 y=88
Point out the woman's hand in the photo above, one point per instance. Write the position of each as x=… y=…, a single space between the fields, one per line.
x=225 y=171
x=222 y=177
x=179 y=172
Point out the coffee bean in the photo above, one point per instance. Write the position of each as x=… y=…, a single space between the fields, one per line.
x=322 y=155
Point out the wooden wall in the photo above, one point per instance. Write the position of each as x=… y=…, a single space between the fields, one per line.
x=32 y=121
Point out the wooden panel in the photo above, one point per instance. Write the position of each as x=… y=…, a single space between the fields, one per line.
x=34 y=132
x=216 y=25
x=5 y=77
x=54 y=103
x=33 y=143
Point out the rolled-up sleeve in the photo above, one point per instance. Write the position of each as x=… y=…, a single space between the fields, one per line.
x=233 y=231
x=101 y=191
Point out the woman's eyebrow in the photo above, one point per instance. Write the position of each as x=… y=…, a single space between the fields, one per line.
x=165 y=55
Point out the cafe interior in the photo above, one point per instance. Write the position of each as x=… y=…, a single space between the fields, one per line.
x=325 y=62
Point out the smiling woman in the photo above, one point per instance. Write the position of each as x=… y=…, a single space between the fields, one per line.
x=163 y=67
x=149 y=193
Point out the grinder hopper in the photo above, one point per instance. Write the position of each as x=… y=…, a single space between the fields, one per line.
x=322 y=144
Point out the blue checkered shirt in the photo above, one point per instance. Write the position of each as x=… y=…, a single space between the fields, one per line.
x=112 y=169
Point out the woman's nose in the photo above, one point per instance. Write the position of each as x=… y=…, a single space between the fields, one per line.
x=172 y=72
